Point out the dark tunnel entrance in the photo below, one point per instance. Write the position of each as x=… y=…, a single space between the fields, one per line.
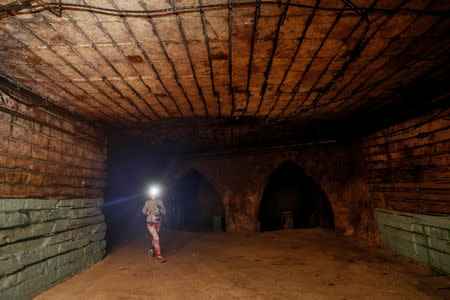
x=292 y=199
x=194 y=205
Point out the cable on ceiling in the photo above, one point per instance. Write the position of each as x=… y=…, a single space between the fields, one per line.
x=33 y=6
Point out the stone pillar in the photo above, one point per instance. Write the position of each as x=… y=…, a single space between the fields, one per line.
x=43 y=242
x=241 y=207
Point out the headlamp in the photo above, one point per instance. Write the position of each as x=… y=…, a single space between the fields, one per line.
x=154 y=190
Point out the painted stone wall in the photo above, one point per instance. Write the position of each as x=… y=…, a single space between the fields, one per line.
x=52 y=173
x=43 y=242
x=422 y=237
x=409 y=180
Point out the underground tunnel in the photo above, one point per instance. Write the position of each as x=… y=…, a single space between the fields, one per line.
x=194 y=205
x=198 y=149
x=292 y=199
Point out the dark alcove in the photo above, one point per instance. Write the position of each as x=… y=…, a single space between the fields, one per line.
x=292 y=199
x=194 y=205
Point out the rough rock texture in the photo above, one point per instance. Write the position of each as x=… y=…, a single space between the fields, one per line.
x=408 y=171
x=403 y=167
x=255 y=59
x=409 y=165
x=43 y=155
x=56 y=159
x=43 y=242
x=337 y=168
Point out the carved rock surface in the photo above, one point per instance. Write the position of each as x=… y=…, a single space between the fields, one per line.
x=43 y=242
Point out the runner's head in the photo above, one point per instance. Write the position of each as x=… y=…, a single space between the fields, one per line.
x=153 y=192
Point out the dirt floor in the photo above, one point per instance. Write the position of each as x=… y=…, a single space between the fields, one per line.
x=297 y=264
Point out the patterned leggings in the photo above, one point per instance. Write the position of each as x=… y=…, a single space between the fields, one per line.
x=154 y=229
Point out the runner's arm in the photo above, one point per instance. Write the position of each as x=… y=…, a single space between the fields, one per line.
x=162 y=207
x=145 y=209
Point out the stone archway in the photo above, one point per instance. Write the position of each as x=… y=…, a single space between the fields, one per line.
x=292 y=199
x=331 y=175
x=194 y=204
x=240 y=181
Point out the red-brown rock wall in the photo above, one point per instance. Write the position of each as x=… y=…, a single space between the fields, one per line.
x=409 y=165
x=404 y=167
x=43 y=155
x=339 y=169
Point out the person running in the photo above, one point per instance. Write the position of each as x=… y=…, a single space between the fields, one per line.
x=153 y=209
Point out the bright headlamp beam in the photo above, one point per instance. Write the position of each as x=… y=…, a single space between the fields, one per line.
x=153 y=190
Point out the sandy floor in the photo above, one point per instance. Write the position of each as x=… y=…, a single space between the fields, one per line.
x=298 y=264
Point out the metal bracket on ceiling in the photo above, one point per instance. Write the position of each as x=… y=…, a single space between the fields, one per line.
x=359 y=11
x=12 y=8
x=56 y=11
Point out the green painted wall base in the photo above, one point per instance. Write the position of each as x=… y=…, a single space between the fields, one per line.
x=421 y=237
x=43 y=242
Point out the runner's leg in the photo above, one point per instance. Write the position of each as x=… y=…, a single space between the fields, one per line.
x=155 y=241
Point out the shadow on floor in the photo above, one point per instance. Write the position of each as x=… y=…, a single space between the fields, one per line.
x=172 y=241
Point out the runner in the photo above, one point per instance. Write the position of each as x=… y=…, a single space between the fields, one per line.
x=153 y=209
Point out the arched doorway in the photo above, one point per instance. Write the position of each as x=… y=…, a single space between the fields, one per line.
x=292 y=199
x=195 y=205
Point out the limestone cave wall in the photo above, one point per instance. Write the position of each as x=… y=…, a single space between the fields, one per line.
x=48 y=156
x=408 y=165
x=52 y=173
x=339 y=169
x=409 y=181
x=402 y=168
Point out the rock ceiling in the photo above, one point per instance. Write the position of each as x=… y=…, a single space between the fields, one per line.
x=157 y=67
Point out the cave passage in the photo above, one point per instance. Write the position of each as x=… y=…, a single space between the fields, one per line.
x=283 y=141
x=194 y=205
x=292 y=199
